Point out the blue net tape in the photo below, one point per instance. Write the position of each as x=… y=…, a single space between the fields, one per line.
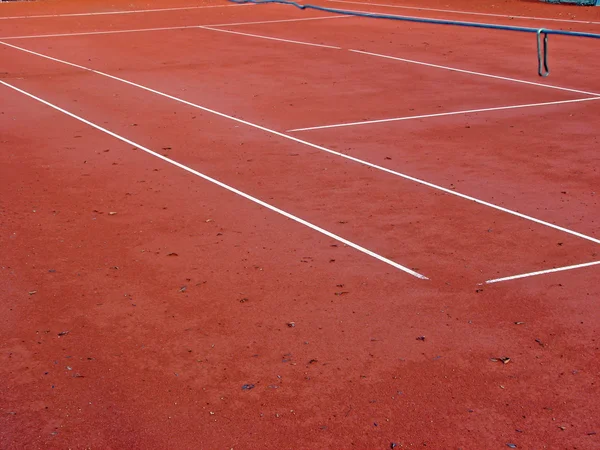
x=542 y=33
x=575 y=2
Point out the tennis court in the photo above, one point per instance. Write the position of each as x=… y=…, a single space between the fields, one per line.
x=254 y=226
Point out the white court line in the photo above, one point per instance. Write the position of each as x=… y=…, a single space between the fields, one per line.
x=183 y=27
x=418 y=8
x=470 y=72
x=318 y=147
x=515 y=80
x=270 y=38
x=92 y=33
x=452 y=113
x=453 y=69
x=226 y=186
x=131 y=11
x=542 y=272
x=279 y=21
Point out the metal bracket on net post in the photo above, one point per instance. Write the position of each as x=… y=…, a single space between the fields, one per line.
x=542 y=49
x=542 y=33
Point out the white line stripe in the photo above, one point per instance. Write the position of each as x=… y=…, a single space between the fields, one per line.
x=318 y=147
x=132 y=11
x=418 y=8
x=315 y=18
x=92 y=33
x=516 y=80
x=452 y=113
x=453 y=69
x=481 y=74
x=279 y=21
x=226 y=186
x=542 y=272
x=270 y=38
x=183 y=27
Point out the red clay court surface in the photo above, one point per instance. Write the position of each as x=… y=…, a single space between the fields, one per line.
x=204 y=245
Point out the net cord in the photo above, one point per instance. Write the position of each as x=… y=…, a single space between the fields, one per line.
x=542 y=33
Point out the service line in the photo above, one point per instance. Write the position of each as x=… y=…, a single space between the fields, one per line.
x=469 y=13
x=182 y=27
x=315 y=146
x=223 y=185
x=451 y=113
x=542 y=272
